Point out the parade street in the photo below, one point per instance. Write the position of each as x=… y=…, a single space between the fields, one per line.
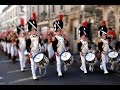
x=10 y=74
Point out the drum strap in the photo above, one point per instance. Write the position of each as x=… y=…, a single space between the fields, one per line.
x=83 y=42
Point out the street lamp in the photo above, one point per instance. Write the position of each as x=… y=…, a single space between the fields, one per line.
x=43 y=14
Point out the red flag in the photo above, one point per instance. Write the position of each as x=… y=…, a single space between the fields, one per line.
x=34 y=16
x=61 y=17
x=22 y=21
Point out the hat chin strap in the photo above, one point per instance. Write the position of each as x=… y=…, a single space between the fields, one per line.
x=84 y=32
x=20 y=28
x=103 y=32
x=32 y=25
x=58 y=25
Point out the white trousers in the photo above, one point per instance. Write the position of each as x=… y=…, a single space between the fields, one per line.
x=58 y=62
x=104 y=61
x=8 y=48
x=22 y=59
x=13 y=50
x=50 y=50
x=4 y=46
x=33 y=65
x=83 y=66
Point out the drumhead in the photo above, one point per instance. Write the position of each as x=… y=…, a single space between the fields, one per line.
x=38 y=57
x=90 y=57
x=113 y=54
x=65 y=56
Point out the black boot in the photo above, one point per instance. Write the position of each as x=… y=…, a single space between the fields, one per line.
x=14 y=59
x=5 y=53
x=9 y=56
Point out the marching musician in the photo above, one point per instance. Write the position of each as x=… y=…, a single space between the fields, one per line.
x=8 y=45
x=83 y=47
x=50 y=48
x=43 y=43
x=5 y=43
x=103 y=46
x=58 y=44
x=117 y=48
x=13 y=47
x=33 y=45
x=21 y=46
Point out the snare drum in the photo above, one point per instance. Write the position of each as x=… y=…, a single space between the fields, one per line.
x=113 y=54
x=90 y=57
x=41 y=60
x=67 y=58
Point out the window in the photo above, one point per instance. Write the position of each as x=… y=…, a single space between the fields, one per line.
x=49 y=10
x=61 y=7
x=75 y=33
x=33 y=9
x=16 y=10
x=53 y=8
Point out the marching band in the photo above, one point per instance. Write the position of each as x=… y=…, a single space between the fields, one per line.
x=31 y=46
x=21 y=46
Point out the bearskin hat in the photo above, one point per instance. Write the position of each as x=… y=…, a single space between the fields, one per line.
x=83 y=31
x=58 y=24
x=32 y=23
x=20 y=28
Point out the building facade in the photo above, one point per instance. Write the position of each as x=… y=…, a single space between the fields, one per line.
x=74 y=16
x=11 y=15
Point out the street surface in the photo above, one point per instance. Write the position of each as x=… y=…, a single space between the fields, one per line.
x=10 y=74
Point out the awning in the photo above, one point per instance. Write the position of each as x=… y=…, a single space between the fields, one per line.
x=42 y=23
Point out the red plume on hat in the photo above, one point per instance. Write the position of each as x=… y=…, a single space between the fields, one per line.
x=103 y=23
x=85 y=24
x=22 y=21
x=34 y=16
x=61 y=17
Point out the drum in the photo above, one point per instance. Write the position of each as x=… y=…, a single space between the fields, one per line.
x=90 y=57
x=41 y=60
x=67 y=58
x=113 y=54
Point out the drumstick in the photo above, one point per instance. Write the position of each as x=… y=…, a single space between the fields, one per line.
x=65 y=54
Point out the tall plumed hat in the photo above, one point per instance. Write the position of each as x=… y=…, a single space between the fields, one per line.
x=20 y=28
x=83 y=31
x=58 y=24
x=103 y=28
x=32 y=23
